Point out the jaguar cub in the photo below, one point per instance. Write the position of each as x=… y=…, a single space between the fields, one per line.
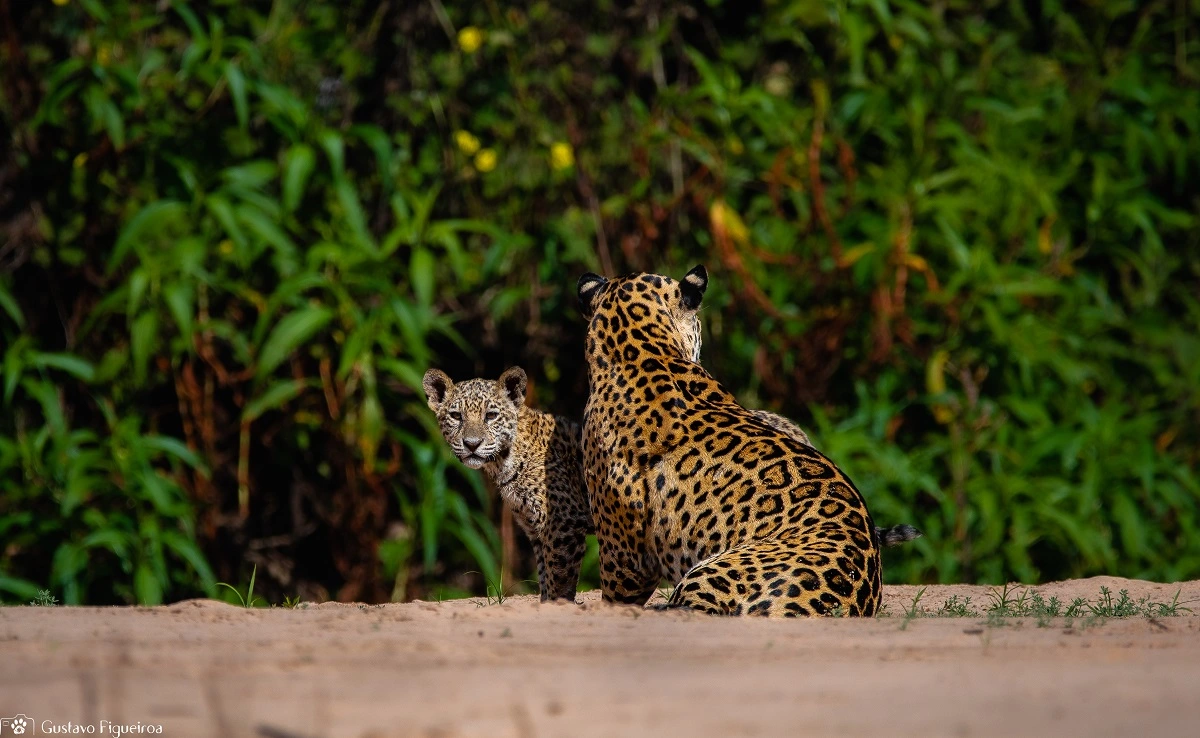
x=686 y=484
x=533 y=457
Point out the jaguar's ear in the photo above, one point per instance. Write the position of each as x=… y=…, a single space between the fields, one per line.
x=588 y=287
x=514 y=383
x=437 y=386
x=693 y=285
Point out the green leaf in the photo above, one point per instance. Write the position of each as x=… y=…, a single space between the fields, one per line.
x=139 y=284
x=273 y=398
x=430 y=524
x=421 y=272
x=69 y=559
x=151 y=220
x=403 y=371
x=96 y=9
x=335 y=149
x=146 y=586
x=178 y=297
x=237 y=90
x=10 y=306
x=81 y=481
x=143 y=339
x=20 y=589
x=160 y=492
x=69 y=363
x=14 y=364
x=289 y=334
x=286 y=112
x=187 y=550
x=223 y=212
x=105 y=113
x=192 y=56
x=352 y=211
x=191 y=21
x=374 y=137
x=479 y=549
x=47 y=396
x=174 y=447
x=371 y=425
x=297 y=168
x=109 y=539
x=266 y=229
x=285 y=294
x=251 y=177
x=250 y=587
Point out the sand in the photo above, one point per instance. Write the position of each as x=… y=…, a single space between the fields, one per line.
x=521 y=668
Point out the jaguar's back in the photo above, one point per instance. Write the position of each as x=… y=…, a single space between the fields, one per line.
x=688 y=485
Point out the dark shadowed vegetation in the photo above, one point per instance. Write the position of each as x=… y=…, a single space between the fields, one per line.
x=957 y=241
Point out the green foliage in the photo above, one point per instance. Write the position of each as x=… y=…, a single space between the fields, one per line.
x=44 y=599
x=913 y=610
x=248 y=599
x=958 y=243
x=1022 y=602
x=954 y=607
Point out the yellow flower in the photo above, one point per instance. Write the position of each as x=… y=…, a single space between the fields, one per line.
x=103 y=54
x=485 y=160
x=225 y=247
x=562 y=155
x=80 y=160
x=470 y=39
x=467 y=143
x=727 y=220
x=61 y=2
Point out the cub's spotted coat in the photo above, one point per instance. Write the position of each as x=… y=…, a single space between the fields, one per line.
x=533 y=457
x=688 y=485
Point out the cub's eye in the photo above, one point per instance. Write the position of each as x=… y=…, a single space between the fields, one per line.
x=455 y=415
x=492 y=415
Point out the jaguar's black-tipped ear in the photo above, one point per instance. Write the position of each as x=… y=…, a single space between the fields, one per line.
x=514 y=382
x=588 y=287
x=437 y=385
x=693 y=285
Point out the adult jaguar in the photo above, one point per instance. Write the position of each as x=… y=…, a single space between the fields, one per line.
x=687 y=485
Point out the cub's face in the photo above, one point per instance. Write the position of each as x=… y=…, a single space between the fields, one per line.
x=478 y=417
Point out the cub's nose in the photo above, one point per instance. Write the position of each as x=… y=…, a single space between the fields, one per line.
x=471 y=443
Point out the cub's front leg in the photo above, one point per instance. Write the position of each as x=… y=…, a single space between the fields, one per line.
x=562 y=547
x=539 y=556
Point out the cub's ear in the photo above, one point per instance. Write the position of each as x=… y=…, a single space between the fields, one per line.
x=693 y=285
x=514 y=383
x=588 y=287
x=437 y=386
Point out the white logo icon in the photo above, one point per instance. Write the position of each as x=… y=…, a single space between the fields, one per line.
x=18 y=724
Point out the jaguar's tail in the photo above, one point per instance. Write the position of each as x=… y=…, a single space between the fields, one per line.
x=896 y=535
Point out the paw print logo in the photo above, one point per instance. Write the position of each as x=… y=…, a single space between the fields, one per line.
x=18 y=725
